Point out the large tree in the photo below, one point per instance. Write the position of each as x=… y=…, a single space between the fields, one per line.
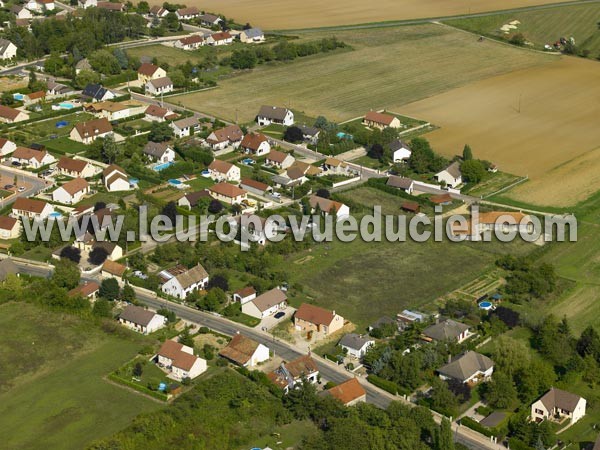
x=66 y=274
x=109 y=289
x=472 y=170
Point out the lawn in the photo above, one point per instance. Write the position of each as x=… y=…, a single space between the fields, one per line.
x=492 y=184
x=52 y=368
x=172 y=56
x=368 y=196
x=64 y=145
x=388 y=68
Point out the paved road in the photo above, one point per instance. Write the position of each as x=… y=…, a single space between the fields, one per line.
x=37 y=184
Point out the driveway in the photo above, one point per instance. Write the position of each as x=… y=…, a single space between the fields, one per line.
x=270 y=322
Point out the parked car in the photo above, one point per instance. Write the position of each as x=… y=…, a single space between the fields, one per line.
x=8 y=186
x=279 y=315
x=16 y=163
x=21 y=189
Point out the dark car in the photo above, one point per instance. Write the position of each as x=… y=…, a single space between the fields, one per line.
x=8 y=186
x=16 y=163
x=279 y=315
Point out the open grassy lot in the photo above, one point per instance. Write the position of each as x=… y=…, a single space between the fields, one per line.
x=539 y=122
x=368 y=196
x=173 y=56
x=388 y=68
x=11 y=83
x=272 y=14
x=53 y=394
x=492 y=184
x=543 y=26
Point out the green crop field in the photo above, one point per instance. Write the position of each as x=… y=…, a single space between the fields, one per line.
x=53 y=394
x=544 y=26
x=388 y=68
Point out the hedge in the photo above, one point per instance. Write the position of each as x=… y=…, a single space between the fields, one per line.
x=138 y=387
x=518 y=444
x=474 y=425
x=384 y=384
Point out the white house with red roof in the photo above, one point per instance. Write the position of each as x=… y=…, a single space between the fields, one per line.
x=179 y=360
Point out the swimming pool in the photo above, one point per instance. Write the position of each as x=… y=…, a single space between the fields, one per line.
x=61 y=124
x=485 y=305
x=18 y=96
x=174 y=182
x=55 y=215
x=66 y=105
x=343 y=135
x=248 y=161
x=205 y=173
x=162 y=166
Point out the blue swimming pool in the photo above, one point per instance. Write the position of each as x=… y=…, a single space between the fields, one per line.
x=162 y=166
x=343 y=135
x=61 y=124
x=248 y=161
x=485 y=305
x=175 y=182
x=18 y=96
x=55 y=215
x=66 y=105
x=205 y=173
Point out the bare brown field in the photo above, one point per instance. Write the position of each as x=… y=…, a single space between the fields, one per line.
x=291 y=14
x=541 y=122
x=10 y=83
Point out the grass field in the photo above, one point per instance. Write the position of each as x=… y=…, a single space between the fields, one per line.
x=53 y=394
x=172 y=56
x=540 y=122
x=544 y=26
x=388 y=68
x=272 y=14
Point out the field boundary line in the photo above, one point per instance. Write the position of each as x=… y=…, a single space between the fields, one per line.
x=506 y=188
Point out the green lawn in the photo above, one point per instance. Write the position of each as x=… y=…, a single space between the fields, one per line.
x=493 y=183
x=42 y=254
x=274 y=130
x=64 y=145
x=54 y=394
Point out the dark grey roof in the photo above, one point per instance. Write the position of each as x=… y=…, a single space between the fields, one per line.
x=94 y=91
x=272 y=112
x=309 y=131
x=454 y=169
x=4 y=43
x=253 y=32
x=397 y=144
x=161 y=82
x=466 y=365
x=156 y=149
x=194 y=197
x=7 y=267
x=209 y=18
x=557 y=398
x=446 y=330
x=493 y=419
x=399 y=182
x=188 y=122
x=354 y=341
x=137 y=315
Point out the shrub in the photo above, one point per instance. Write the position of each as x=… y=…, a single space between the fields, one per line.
x=384 y=384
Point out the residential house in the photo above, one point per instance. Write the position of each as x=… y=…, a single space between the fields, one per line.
x=356 y=345
x=155 y=113
x=191 y=199
x=88 y=132
x=55 y=89
x=187 y=13
x=244 y=351
x=179 y=360
x=558 y=405
x=21 y=13
x=113 y=250
x=409 y=317
x=7 y=147
x=10 y=228
x=179 y=281
x=230 y=136
x=228 y=193
x=447 y=330
x=34 y=97
x=310 y=134
x=111 y=269
x=83 y=64
x=8 y=267
x=400 y=151
x=334 y=166
x=404 y=184
x=255 y=187
x=71 y=192
x=505 y=222
x=147 y=72
x=115 y=179
x=209 y=20
x=450 y=176
x=274 y=114
x=288 y=375
x=441 y=199
x=220 y=38
x=89 y=290
x=141 y=320
x=223 y=171
x=469 y=368
x=256 y=229
x=255 y=144
x=252 y=35
x=349 y=392
x=85 y=4
x=244 y=295
x=11 y=115
x=328 y=206
x=184 y=127
x=97 y=93
x=109 y=110
x=266 y=304
x=76 y=168
x=159 y=86
x=314 y=318
x=31 y=208
x=111 y=6
x=159 y=11
x=374 y=119
x=8 y=50
x=29 y=157
x=279 y=159
x=33 y=6
x=160 y=152
x=193 y=42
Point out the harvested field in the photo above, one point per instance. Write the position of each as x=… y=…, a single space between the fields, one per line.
x=541 y=122
x=272 y=14
x=388 y=68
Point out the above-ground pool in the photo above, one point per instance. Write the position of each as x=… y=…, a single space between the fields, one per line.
x=18 y=96
x=485 y=305
x=343 y=135
x=66 y=105
x=205 y=173
x=162 y=166
x=248 y=161
x=55 y=215
x=175 y=182
x=61 y=124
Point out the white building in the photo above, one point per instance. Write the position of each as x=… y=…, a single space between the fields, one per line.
x=289 y=375
x=179 y=360
x=8 y=50
x=328 y=206
x=71 y=192
x=31 y=208
x=400 y=151
x=159 y=152
x=266 y=304
x=180 y=281
x=76 y=168
x=244 y=295
x=356 y=345
x=184 y=127
x=88 y=132
x=470 y=367
x=255 y=144
x=252 y=35
x=115 y=179
x=230 y=136
x=7 y=147
x=224 y=171
x=556 y=405
x=451 y=175
x=275 y=114
x=141 y=320
x=245 y=352
x=159 y=86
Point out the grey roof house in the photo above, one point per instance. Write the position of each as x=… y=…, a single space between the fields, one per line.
x=470 y=367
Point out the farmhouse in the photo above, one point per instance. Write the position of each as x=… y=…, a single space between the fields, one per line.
x=349 y=392
x=288 y=375
x=155 y=113
x=141 y=320
x=115 y=179
x=11 y=115
x=8 y=50
x=184 y=127
x=400 y=151
x=179 y=360
x=88 y=132
x=244 y=351
x=31 y=208
x=275 y=114
x=266 y=304
x=96 y=92
x=450 y=176
x=221 y=38
x=159 y=86
x=255 y=187
x=374 y=119
x=187 y=13
x=252 y=35
x=447 y=330
x=223 y=171
x=228 y=193
x=222 y=138
x=470 y=368
x=111 y=269
x=179 y=281
x=89 y=290
x=557 y=405
x=147 y=72
x=10 y=228
x=160 y=152
x=7 y=147
x=71 y=192
x=279 y=159
x=356 y=345
x=244 y=295
x=191 y=199
x=192 y=42
x=327 y=206
x=29 y=157
x=314 y=318
x=256 y=144
x=76 y=168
